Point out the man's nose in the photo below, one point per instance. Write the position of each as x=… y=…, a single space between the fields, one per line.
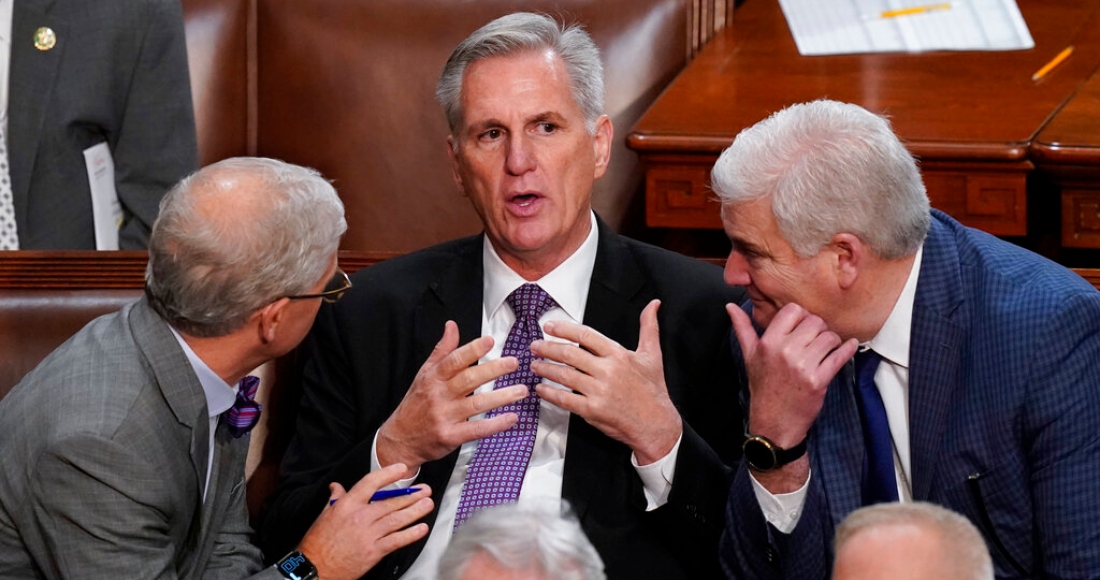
x=737 y=270
x=520 y=157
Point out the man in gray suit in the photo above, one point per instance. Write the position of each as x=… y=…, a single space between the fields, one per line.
x=83 y=73
x=123 y=451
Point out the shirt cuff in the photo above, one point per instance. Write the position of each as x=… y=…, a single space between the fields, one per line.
x=781 y=510
x=657 y=476
x=375 y=466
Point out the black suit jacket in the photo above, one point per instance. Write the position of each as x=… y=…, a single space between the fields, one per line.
x=365 y=351
x=118 y=74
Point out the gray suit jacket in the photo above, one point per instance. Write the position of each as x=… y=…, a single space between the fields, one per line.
x=118 y=74
x=105 y=448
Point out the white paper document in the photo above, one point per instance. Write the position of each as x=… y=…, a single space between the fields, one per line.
x=824 y=27
x=105 y=206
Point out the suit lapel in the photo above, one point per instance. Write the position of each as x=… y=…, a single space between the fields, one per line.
x=225 y=472
x=455 y=295
x=177 y=382
x=939 y=317
x=32 y=78
x=615 y=299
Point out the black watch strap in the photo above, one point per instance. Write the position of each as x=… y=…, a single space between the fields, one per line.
x=295 y=566
x=763 y=455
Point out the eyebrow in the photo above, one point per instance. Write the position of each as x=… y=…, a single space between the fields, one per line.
x=743 y=246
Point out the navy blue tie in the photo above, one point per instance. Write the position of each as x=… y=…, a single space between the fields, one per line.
x=879 y=482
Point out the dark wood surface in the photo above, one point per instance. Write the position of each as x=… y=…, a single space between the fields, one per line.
x=91 y=270
x=970 y=117
x=1068 y=150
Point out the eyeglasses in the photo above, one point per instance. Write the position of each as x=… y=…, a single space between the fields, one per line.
x=334 y=290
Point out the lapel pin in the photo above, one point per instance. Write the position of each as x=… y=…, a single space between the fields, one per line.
x=44 y=38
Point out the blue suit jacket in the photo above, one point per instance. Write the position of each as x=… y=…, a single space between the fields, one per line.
x=1004 y=419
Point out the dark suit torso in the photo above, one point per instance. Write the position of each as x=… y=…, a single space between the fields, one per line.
x=365 y=352
x=105 y=448
x=117 y=74
x=1004 y=411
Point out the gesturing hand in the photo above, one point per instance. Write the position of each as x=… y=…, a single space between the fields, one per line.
x=789 y=370
x=620 y=392
x=431 y=419
x=352 y=535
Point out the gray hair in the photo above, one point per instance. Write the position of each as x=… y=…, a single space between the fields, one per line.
x=210 y=269
x=524 y=538
x=525 y=32
x=829 y=168
x=964 y=550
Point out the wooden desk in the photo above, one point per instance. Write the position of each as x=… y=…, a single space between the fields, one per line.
x=1068 y=149
x=970 y=117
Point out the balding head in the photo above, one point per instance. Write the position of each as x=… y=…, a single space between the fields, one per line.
x=910 y=541
x=235 y=236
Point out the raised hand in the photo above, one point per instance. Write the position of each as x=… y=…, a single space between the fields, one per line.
x=619 y=391
x=431 y=420
x=789 y=369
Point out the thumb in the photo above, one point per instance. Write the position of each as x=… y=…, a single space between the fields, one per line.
x=335 y=492
x=649 y=336
x=742 y=327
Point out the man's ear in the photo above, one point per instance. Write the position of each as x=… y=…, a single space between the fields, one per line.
x=268 y=319
x=452 y=155
x=851 y=253
x=601 y=143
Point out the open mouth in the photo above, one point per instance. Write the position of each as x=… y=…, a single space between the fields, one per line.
x=525 y=199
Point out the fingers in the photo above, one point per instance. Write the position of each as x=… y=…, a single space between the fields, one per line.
x=836 y=359
x=373 y=481
x=469 y=378
x=483 y=428
x=460 y=358
x=742 y=327
x=576 y=371
x=649 y=336
x=489 y=400
x=585 y=336
x=402 y=538
x=567 y=400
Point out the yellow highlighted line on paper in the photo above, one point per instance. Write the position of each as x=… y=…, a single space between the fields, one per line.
x=915 y=10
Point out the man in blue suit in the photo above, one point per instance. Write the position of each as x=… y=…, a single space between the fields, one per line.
x=988 y=358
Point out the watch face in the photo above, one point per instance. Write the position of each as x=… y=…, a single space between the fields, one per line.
x=296 y=567
x=760 y=453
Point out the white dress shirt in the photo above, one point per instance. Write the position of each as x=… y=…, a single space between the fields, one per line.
x=892 y=380
x=220 y=396
x=6 y=7
x=568 y=286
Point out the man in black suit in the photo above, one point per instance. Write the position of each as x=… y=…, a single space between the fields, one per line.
x=638 y=442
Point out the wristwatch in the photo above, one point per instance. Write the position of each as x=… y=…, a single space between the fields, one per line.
x=295 y=566
x=764 y=456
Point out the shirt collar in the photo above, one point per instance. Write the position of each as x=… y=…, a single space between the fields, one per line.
x=892 y=340
x=567 y=284
x=220 y=395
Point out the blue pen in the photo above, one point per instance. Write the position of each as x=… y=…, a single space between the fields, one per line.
x=388 y=493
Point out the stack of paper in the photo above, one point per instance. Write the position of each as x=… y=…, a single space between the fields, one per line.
x=854 y=26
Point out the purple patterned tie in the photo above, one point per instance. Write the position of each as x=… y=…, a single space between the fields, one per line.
x=495 y=473
x=245 y=412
